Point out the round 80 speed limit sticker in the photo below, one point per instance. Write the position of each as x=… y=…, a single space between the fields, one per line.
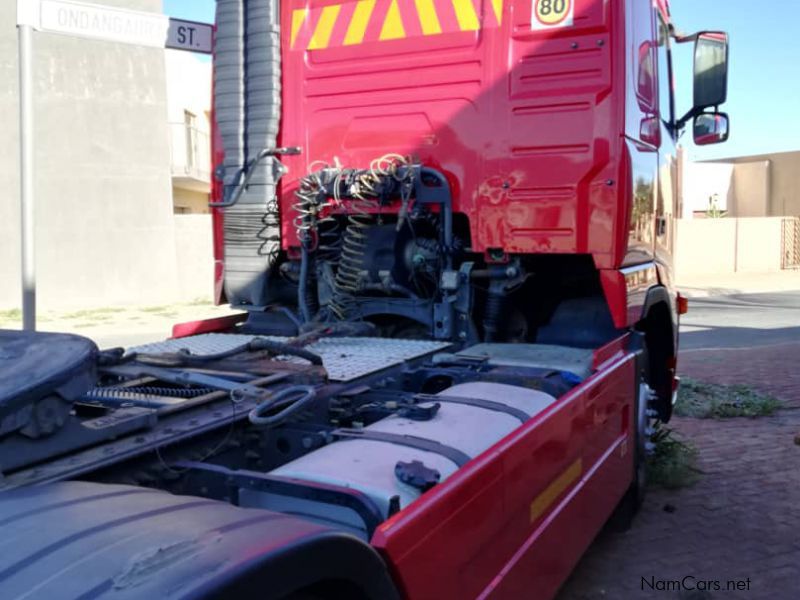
x=546 y=14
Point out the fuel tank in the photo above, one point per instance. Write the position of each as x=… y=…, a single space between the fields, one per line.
x=394 y=460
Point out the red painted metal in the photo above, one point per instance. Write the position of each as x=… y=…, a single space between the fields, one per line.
x=217 y=214
x=683 y=304
x=215 y=325
x=611 y=351
x=478 y=535
x=525 y=124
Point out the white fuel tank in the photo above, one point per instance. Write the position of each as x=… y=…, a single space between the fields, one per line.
x=490 y=411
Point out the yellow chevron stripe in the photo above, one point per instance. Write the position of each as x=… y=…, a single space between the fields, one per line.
x=497 y=5
x=428 y=19
x=359 y=22
x=322 y=34
x=544 y=501
x=393 y=24
x=298 y=16
x=465 y=13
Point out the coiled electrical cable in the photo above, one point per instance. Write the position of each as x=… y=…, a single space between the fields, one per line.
x=318 y=229
x=364 y=191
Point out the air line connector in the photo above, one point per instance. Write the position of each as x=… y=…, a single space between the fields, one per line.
x=246 y=172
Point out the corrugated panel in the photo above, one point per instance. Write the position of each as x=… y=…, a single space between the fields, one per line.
x=247 y=103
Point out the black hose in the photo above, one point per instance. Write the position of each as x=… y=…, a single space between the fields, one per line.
x=308 y=394
x=184 y=358
x=280 y=348
x=302 y=285
x=493 y=316
x=312 y=332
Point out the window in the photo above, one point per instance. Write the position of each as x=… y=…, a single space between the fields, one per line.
x=664 y=73
x=190 y=123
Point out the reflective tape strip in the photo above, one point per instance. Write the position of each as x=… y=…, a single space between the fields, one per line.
x=392 y=28
x=359 y=22
x=545 y=500
x=298 y=17
x=497 y=6
x=428 y=19
x=322 y=34
x=355 y=23
x=465 y=13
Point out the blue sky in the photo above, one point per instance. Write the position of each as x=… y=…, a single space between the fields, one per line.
x=764 y=76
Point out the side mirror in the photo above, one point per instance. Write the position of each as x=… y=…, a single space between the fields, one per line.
x=710 y=69
x=711 y=128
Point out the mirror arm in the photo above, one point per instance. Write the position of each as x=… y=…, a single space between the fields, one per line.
x=681 y=123
x=681 y=38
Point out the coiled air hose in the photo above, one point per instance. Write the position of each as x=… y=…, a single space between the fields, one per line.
x=348 y=255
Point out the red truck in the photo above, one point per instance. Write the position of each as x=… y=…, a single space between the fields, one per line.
x=448 y=227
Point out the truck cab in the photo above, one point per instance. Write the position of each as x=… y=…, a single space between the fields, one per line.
x=446 y=226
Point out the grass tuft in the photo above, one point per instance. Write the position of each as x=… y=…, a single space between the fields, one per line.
x=673 y=462
x=155 y=309
x=14 y=314
x=200 y=301
x=712 y=401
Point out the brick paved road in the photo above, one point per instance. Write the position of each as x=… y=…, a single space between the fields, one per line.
x=742 y=519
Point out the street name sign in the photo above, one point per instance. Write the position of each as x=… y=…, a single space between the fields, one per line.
x=99 y=22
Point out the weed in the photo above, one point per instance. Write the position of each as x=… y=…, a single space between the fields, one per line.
x=14 y=314
x=672 y=464
x=708 y=400
x=200 y=301
x=155 y=309
x=95 y=314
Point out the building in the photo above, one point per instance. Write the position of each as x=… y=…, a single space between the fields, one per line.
x=740 y=215
x=765 y=185
x=106 y=229
x=189 y=115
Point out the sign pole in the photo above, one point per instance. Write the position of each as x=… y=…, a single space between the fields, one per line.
x=26 y=157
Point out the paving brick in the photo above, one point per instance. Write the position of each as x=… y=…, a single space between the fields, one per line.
x=740 y=520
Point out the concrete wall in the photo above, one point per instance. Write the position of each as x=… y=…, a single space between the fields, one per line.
x=194 y=255
x=784 y=182
x=106 y=233
x=726 y=246
x=764 y=185
x=751 y=184
x=190 y=201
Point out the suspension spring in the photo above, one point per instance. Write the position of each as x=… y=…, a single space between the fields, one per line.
x=143 y=393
